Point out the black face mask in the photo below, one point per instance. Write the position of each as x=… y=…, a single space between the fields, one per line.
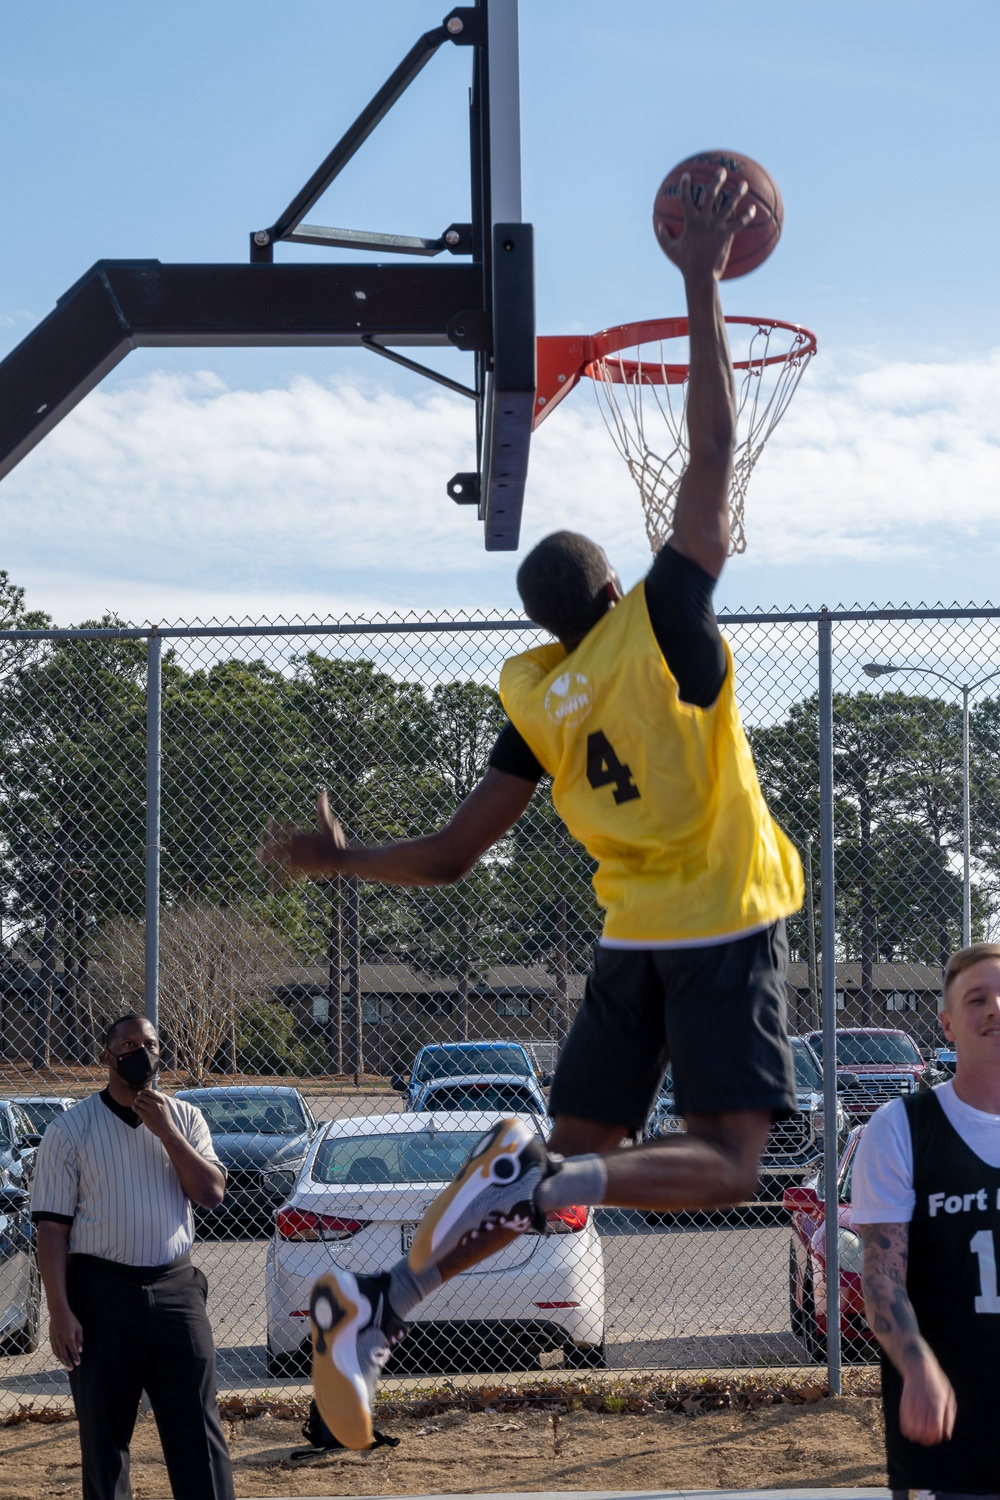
x=137 y=1067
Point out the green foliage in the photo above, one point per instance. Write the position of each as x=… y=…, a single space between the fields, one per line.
x=897 y=815
x=265 y=1039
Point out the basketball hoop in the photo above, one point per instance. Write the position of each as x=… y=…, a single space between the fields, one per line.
x=642 y=396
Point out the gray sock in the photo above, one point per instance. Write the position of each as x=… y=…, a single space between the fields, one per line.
x=581 y=1179
x=408 y=1288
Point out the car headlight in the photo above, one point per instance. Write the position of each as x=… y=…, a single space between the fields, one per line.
x=851 y=1251
x=819 y=1120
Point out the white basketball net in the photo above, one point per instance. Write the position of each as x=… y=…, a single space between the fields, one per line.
x=638 y=404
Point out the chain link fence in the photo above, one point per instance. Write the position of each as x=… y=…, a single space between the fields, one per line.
x=137 y=770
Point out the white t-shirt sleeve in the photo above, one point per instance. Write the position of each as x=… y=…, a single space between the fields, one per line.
x=882 y=1178
x=55 y=1185
x=195 y=1129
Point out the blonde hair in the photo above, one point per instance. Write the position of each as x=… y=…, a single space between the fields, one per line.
x=964 y=959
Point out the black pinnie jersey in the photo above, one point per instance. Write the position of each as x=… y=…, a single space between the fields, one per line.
x=954 y=1239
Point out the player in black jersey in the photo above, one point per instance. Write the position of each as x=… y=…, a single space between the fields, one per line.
x=926 y=1201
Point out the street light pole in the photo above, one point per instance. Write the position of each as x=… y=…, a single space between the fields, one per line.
x=885 y=669
x=966 y=880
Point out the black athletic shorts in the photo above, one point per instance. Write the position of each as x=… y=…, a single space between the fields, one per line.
x=717 y=1015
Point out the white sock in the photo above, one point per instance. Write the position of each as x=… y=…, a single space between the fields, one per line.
x=408 y=1288
x=580 y=1179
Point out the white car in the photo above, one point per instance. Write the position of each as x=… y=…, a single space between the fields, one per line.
x=42 y=1109
x=357 y=1202
x=497 y=1094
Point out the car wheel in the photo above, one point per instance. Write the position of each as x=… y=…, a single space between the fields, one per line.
x=814 y=1341
x=585 y=1356
x=288 y=1366
x=795 y=1315
x=24 y=1340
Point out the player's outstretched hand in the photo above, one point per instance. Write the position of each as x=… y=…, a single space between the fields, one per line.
x=927 y=1406
x=303 y=853
x=702 y=247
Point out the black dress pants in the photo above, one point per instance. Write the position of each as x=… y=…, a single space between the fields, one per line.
x=146 y=1328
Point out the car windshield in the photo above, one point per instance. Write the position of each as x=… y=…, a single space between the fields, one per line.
x=807 y=1074
x=860 y=1049
x=500 y=1097
x=454 y=1062
x=41 y=1112
x=420 y=1156
x=250 y=1114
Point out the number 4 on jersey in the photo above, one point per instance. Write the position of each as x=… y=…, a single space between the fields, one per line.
x=605 y=769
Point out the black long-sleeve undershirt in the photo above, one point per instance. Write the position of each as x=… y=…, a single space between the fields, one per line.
x=679 y=600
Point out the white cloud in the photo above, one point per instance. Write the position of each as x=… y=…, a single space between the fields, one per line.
x=174 y=495
x=900 y=460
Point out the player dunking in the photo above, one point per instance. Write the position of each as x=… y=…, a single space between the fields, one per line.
x=632 y=712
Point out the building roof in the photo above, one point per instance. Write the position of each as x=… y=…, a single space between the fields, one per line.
x=394 y=978
x=885 y=977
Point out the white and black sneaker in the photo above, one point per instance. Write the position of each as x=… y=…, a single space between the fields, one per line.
x=354 y=1330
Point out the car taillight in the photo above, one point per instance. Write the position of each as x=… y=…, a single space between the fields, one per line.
x=567 y=1220
x=299 y=1224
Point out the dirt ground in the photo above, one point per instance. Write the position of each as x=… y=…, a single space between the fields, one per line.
x=833 y=1441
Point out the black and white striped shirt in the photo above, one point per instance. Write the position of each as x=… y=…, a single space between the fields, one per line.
x=101 y=1171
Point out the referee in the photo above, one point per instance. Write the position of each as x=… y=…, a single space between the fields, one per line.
x=114 y=1181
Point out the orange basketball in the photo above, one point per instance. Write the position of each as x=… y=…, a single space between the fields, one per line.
x=751 y=245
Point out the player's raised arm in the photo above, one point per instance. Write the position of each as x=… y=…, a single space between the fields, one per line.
x=440 y=858
x=700 y=252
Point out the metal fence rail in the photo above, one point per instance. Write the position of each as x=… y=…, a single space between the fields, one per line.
x=138 y=766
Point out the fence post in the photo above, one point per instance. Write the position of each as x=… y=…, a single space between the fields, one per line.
x=828 y=920
x=154 y=700
x=354 y=1061
x=335 y=979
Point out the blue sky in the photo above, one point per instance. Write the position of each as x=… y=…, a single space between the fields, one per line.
x=224 y=483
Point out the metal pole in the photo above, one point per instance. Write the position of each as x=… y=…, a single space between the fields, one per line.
x=154 y=687
x=966 y=884
x=815 y=1015
x=829 y=987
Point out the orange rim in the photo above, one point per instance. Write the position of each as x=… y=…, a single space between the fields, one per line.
x=565 y=359
x=629 y=335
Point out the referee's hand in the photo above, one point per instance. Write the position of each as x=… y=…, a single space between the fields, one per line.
x=153 y=1109
x=65 y=1337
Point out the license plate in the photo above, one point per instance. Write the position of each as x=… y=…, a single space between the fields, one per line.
x=406 y=1233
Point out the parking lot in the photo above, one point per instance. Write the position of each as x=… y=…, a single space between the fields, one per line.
x=678 y=1297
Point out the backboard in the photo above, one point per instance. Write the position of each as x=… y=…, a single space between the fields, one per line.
x=480 y=300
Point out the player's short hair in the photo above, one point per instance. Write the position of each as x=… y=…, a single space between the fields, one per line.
x=562 y=584
x=964 y=959
x=113 y=1026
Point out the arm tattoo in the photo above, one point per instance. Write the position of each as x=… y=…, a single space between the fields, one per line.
x=887 y=1305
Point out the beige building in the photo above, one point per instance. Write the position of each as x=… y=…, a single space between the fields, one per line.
x=902 y=997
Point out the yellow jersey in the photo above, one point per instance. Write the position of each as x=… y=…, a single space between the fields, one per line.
x=663 y=794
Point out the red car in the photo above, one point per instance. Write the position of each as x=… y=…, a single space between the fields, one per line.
x=807 y=1265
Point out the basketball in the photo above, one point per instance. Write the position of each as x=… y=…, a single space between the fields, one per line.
x=752 y=245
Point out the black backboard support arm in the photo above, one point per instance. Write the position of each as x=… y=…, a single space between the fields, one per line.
x=485 y=306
